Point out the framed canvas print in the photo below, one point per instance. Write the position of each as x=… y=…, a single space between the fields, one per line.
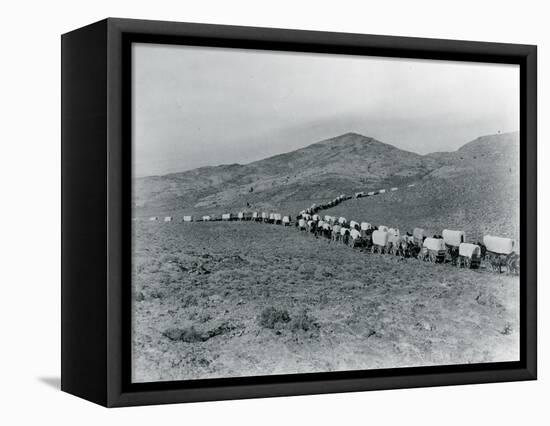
x=253 y=212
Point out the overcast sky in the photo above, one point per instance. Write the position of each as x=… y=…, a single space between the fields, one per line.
x=198 y=106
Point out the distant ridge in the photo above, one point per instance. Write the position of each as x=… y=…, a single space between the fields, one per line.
x=345 y=163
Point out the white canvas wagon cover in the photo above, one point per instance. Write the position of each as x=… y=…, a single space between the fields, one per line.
x=302 y=223
x=353 y=224
x=498 y=245
x=436 y=244
x=383 y=228
x=370 y=193
x=469 y=250
x=168 y=218
x=316 y=217
x=255 y=215
x=365 y=226
x=342 y=220
x=418 y=233
x=380 y=238
x=204 y=218
x=453 y=238
x=264 y=215
x=344 y=231
x=286 y=219
x=226 y=216
x=394 y=189
x=382 y=191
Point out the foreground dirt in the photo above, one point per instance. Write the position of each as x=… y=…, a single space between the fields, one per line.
x=243 y=299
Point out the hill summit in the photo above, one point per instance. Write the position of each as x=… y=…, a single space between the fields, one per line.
x=346 y=163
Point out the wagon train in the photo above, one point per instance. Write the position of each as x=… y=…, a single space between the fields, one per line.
x=450 y=247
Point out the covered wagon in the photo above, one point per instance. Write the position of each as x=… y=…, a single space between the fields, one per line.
x=418 y=236
x=498 y=245
x=227 y=216
x=204 y=218
x=356 y=239
x=359 y=194
x=168 y=218
x=499 y=251
x=383 y=228
x=394 y=240
x=353 y=224
x=188 y=218
x=342 y=220
x=393 y=189
x=469 y=255
x=371 y=193
x=379 y=241
x=302 y=224
x=381 y=191
x=286 y=220
x=434 y=250
x=153 y=218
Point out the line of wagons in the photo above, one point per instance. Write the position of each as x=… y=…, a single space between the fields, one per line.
x=274 y=218
x=450 y=246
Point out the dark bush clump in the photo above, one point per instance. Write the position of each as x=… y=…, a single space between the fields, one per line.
x=187 y=334
x=272 y=317
x=303 y=321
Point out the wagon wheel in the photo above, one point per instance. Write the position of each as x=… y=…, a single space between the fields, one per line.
x=467 y=262
x=432 y=257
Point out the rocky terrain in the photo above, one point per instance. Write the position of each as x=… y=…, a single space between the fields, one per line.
x=243 y=299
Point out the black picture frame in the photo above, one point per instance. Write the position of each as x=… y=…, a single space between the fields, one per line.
x=96 y=208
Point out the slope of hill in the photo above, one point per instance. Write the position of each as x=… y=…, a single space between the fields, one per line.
x=474 y=189
x=342 y=164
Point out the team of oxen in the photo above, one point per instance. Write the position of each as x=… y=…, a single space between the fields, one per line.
x=449 y=247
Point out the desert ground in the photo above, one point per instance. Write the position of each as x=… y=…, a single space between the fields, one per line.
x=244 y=299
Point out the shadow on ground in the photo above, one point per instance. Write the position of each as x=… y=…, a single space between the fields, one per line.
x=53 y=382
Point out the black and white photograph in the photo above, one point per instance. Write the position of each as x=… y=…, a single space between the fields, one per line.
x=309 y=212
